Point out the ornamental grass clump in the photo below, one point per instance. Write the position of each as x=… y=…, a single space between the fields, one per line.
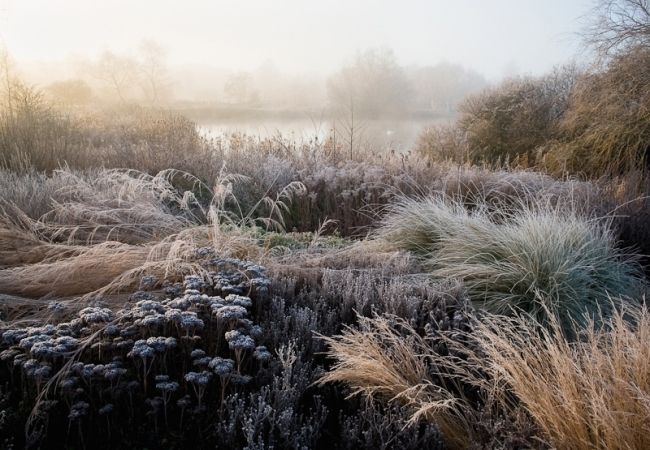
x=534 y=258
x=590 y=394
x=541 y=389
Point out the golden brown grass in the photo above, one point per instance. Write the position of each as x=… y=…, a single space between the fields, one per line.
x=377 y=360
x=19 y=247
x=594 y=394
x=589 y=394
x=66 y=270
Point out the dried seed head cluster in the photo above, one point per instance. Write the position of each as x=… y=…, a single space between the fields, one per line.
x=186 y=345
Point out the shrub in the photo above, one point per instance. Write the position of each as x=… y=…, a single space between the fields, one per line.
x=511 y=121
x=605 y=130
x=33 y=134
x=443 y=143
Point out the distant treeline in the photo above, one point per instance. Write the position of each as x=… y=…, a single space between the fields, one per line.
x=371 y=84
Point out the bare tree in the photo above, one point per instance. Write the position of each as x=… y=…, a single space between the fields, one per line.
x=116 y=72
x=239 y=88
x=153 y=70
x=618 y=25
x=374 y=81
x=6 y=77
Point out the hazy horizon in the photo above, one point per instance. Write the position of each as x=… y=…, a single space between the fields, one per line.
x=505 y=37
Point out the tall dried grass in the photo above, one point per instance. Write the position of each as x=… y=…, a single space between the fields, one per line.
x=35 y=134
x=592 y=394
x=159 y=228
x=589 y=394
x=378 y=360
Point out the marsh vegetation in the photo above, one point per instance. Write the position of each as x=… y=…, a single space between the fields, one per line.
x=161 y=287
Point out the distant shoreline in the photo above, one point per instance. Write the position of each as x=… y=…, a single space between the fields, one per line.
x=234 y=112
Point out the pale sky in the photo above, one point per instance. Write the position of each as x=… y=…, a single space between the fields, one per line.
x=493 y=37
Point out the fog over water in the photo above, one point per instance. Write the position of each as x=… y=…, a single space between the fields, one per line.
x=294 y=67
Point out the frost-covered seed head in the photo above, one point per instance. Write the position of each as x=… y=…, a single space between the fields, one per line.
x=99 y=369
x=173 y=314
x=261 y=353
x=148 y=282
x=198 y=378
x=179 y=303
x=78 y=410
x=193 y=282
x=221 y=366
x=87 y=371
x=167 y=386
x=151 y=320
x=55 y=307
x=239 y=300
x=197 y=353
x=231 y=312
x=13 y=336
x=47 y=329
x=150 y=305
x=42 y=372
x=141 y=350
x=93 y=314
x=204 y=252
x=190 y=321
x=256 y=331
x=28 y=342
x=114 y=373
x=106 y=409
x=68 y=383
x=161 y=343
x=239 y=341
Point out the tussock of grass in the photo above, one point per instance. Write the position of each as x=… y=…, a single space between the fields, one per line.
x=377 y=360
x=535 y=258
x=123 y=205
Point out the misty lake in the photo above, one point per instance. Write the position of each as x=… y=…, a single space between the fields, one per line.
x=397 y=134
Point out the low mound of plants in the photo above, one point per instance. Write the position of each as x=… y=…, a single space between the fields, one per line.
x=535 y=258
x=219 y=359
x=156 y=362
